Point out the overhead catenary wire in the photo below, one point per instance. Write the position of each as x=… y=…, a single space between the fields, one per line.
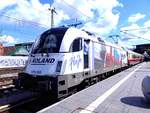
x=19 y=27
x=132 y=35
x=76 y=9
x=138 y=29
x=24 y=21
x=19 y=21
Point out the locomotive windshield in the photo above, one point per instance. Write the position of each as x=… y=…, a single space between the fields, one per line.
x=49 y=41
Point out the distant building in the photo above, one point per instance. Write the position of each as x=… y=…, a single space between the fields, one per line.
x=1 y=49
x=21 y=49
x=27 y=45
x=8 y=50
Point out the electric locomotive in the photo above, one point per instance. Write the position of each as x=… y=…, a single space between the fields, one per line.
x=65 y=59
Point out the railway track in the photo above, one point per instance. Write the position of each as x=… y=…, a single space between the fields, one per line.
x=11 y=70
x=7 y=75
x=11 y=99
x=34 y=105
x=8 y=108
x=27 y=104
x=14 y=100
x=8 y=90
x=6 y=81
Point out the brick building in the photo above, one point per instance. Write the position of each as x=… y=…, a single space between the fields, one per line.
x=1 y=50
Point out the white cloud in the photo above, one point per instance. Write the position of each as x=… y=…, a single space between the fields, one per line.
x=136 y=17
x=7 y=39
x=131 y=28
x=147 y=23
x=6 y=3
x=61 y=16
x=136 y=34
x=98 y=15
x=102 y=22
x=104 y=25
x=25 y=10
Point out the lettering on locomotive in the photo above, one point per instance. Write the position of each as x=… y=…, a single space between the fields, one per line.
x=42 y=61
x=75 y=61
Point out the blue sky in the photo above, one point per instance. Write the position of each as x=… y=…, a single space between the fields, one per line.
x=24 y=20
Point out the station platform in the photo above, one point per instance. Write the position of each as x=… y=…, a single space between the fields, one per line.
x=120 y=93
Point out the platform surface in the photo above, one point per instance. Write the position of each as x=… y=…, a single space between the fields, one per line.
x=120 y=93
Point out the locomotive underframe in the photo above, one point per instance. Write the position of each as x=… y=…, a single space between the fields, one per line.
x=62 y=85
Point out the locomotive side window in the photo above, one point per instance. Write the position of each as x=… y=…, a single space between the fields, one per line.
x=76 y=45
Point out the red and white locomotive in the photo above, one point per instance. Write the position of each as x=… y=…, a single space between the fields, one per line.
x=64 y=59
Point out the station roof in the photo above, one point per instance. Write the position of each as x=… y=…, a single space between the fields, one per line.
x=142 y=47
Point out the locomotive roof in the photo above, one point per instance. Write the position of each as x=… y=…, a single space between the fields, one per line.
x=84 y=34
x=56 y=30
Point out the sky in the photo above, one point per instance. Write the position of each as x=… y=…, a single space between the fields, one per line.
x=125 y=21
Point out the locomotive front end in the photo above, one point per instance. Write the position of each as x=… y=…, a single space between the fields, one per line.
x=53 y=62
x=45 y=62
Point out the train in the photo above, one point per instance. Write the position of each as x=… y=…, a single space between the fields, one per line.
x=65 y=59
x=134 y=58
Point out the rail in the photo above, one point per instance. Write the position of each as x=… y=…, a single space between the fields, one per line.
x=15 y=98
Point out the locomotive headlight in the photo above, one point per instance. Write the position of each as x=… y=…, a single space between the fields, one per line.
x=59 y=64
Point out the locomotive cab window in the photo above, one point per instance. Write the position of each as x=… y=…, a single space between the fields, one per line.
x=49 y=41
x=76 y=45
